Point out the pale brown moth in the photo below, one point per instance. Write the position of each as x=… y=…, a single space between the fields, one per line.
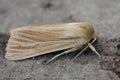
x=26 y=42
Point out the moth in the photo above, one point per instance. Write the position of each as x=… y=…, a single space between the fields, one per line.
x=27 y=42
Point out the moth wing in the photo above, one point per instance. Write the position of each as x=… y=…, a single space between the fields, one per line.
x=28 y=42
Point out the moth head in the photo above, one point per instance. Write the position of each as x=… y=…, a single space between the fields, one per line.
x=90 y=32
x=95 y=35
x=88 y=27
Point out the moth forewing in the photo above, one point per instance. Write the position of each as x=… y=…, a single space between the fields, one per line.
x=29 y=42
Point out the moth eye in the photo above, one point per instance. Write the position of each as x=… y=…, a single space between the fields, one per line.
x=91 y=40
x=37 y=43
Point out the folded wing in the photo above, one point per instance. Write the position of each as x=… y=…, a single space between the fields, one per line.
x=28 y=42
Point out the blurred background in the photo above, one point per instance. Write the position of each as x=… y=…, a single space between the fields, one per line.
x=104 y=15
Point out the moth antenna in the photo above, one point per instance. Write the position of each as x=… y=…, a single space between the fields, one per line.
x=65 y=52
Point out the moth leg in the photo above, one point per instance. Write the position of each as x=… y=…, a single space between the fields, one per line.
x=80 y=53
x=94 y=50
x=65 y=52
x=91 y=47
